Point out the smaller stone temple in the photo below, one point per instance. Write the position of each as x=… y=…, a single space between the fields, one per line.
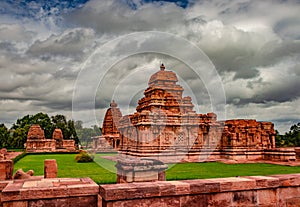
x=36 y=141
x=110 y=139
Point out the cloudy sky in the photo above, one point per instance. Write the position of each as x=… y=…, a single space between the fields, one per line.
x=74 y=57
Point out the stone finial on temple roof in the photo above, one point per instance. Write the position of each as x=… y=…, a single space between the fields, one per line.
x=162 y=67
x=113 y=104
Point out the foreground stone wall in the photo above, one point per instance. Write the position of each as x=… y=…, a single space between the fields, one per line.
x=263 y=191
x=67 y=192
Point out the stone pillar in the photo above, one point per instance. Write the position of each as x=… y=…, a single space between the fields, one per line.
x=140 y=170
x=50 y=168
x=273 y=141
x=162 y=175
x=6 y=169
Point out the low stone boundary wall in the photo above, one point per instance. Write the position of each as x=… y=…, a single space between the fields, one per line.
x=263 y=191
x=252 y=191
x=67 y=192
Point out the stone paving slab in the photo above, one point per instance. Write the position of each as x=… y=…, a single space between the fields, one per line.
x=48 y=188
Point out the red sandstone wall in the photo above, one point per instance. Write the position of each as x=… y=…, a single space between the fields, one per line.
x=262 y=191
x=279 y=191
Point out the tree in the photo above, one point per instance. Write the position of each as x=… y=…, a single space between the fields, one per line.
x=290 y=138
x=4 y=136
x=78 y=125
x=85 y=134
x=60 y=121
x=19 y=130
x=72 y=131
x=40 y=118
x=67 y=127
x=19 y=137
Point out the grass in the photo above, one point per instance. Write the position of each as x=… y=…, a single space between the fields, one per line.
x=104 y=171
x=68 y=167
x=183 y=171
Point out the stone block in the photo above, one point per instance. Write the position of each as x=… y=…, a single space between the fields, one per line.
x=267 y=197
x=265 y=181
x=166 y=188
x=293 y=202
x=219 y=199
x=139 y=170
x=6 y=169
x=194 y=201
x=50 y=168
x=43 y=189
x=16 y=204
x=244 y=198
x=288 y=179
x=235 y=183
x=153 y=202
x=181 y=188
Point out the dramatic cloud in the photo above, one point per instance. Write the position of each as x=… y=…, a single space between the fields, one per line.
x=45 y=46
x=71 y=43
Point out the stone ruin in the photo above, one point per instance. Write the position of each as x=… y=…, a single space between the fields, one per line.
x=58 y=137
x=133 y=169
x=110 y=138
x=36 y=141
x=20 y=174
x=166 y=127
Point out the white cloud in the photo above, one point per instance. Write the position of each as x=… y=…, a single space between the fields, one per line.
x=253 y=44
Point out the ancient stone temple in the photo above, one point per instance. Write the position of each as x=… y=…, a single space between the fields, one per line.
x=166 y=127
x=110 y=138
x=36 y=141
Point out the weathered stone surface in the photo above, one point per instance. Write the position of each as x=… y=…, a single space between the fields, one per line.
x=20 y=174
x=3 y=153
x=140 y=170
x=35 y=132
x=58 y=137
x=293 y=202
x=227 y=192
x=186 y=193
x=36 y=141
x=51 y=192
x=6 y=169
x=50 y=168
x=110 y=138
x=267 y=197
x=166 y=127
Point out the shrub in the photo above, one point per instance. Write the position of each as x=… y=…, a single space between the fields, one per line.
x=84 y=157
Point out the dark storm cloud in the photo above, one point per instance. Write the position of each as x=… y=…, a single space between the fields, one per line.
x=72 y=43
x=288 y=28
x=253 y=44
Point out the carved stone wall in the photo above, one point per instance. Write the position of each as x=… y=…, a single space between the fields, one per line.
x=165 y=125
x=36 y=141
x=264 y=191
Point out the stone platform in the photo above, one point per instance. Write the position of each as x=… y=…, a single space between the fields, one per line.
x=252 y=191
x=41 y=192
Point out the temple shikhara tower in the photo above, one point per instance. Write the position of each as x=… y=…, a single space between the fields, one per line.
x=166 y=127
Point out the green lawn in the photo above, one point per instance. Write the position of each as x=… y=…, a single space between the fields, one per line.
x=103 y=171
x=183 y=171
x=68 y=167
